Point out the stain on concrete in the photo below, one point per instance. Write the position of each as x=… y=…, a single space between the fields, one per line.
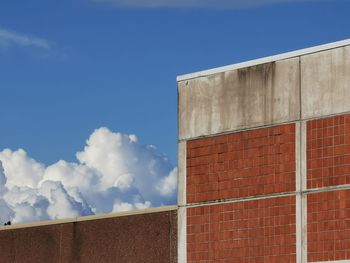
x=239 y=99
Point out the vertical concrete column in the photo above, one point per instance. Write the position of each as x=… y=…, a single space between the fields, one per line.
x=182 y=215
x=301 y=195
x=303 y=192
x=298 y=190
x=182 y=235
x=181 y=199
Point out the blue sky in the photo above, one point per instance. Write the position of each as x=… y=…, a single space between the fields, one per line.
x=88 y=64
x=87 y=86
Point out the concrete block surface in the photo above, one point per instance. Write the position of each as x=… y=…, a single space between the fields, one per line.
x=325 y=82
x=238 y=99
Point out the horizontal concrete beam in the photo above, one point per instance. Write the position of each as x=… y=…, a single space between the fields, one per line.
x=267 y=196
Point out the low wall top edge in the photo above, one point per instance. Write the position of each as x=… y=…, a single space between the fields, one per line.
x=92 y=217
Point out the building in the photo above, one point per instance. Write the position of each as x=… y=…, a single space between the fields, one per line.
x=264 y=174
x=264 y=159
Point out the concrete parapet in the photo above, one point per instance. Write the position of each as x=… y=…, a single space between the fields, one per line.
x=325 y=82
x=239 y=99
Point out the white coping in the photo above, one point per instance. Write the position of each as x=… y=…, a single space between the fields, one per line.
x=264 y=60
x=88 y=218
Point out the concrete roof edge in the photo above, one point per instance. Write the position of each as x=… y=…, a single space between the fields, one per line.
x=264 y=60
x=88 y=218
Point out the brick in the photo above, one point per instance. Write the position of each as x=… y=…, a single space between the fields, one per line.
x=248 y=231
x=247 y=163
x=328 y=146
x=328 y=226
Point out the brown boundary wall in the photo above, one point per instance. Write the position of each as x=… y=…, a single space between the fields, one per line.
x=148 y=235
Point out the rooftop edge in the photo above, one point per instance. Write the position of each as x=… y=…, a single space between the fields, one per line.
x=88 y=218
x=264 y=60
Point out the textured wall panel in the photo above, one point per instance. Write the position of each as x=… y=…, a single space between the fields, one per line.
x=325 y=82
x=39 y=245
x=141 y=238
x=134 y=239
x=328 y=151
x=237 y=99
x=241 y=164
x=328 y=226
x=251 y=231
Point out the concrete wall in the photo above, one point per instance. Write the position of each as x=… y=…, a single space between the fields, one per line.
x=301 y=87
x=149 y=236
x=242 y=98
x=264 y=167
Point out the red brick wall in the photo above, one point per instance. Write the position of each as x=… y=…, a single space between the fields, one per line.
x=328 y=230
x=328 y=164
x=241 y=164
x=251 y=231
x=328 y=151
x=261 y=162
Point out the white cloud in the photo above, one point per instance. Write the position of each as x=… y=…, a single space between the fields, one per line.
x=20 y=169
x=123 y=206
x=10 y=38
x=167 y=186
x=7 y=213
x=114 y=172
x=194 y=3
x=3 y=180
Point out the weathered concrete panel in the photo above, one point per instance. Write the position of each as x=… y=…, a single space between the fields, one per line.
x=325 y=82
x=237 y=99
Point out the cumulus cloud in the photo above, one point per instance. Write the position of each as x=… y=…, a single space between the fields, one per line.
x=194 y=3
x=114 y=172
x=167 y=185
x=10 y=38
